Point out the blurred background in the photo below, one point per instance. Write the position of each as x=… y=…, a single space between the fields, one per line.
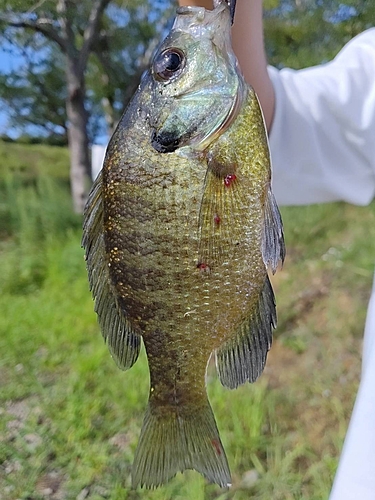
x=69 y=419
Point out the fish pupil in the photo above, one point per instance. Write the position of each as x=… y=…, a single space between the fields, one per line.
x=172 y=61
x=168 y=64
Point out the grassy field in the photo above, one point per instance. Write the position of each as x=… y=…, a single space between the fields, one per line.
x=70 y=420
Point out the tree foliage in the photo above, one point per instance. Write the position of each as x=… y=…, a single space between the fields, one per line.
x=34 y=96
x=122 y=53
x=78 y=30
x=302 y=33
x=35 y=92
x=59 y=24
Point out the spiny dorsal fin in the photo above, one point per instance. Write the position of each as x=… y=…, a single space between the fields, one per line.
x=123 y=343
x=171 y=443
x=242 y=358
x=273 y=246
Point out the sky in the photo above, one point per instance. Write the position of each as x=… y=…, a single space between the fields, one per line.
x=8 y=61
x=4 y=66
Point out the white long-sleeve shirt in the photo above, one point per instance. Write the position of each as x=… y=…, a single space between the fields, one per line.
x=323 y=149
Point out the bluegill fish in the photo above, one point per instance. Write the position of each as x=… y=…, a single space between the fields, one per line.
x=180 y=230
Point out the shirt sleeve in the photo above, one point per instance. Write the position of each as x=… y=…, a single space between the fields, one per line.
x=355 y=474
x=323 y=135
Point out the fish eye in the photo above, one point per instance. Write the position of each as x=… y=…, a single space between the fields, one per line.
x=168 y=64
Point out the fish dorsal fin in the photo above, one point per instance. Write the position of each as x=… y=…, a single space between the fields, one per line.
x=243 y=357
x=122 y=341
x=273 y=246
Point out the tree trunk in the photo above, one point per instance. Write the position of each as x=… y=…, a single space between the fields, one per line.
x=109 y=115
x=80 y=168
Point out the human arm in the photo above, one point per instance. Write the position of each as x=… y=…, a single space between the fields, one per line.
x=322 y=137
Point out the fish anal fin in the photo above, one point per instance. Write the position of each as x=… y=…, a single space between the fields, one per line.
x=243 y=357
x=123 y=342
x=273 y=246
x=175 y=442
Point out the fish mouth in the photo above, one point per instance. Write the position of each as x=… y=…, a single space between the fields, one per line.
x=167 y=142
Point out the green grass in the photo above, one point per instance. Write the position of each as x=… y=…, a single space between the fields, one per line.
x=70 y=420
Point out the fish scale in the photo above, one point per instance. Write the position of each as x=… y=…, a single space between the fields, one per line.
x=179 y=231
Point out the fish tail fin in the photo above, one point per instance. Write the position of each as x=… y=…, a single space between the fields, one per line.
x=174 y=442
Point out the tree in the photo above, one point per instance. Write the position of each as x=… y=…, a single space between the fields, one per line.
x=59 y=22
x=123 y=52
x=104 y=47
x=301 y=33
x=33 y=96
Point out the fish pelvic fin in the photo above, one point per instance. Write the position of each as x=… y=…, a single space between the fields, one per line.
x=273 y=246
x=123 y=342
x=173 y=443
x=243 y=358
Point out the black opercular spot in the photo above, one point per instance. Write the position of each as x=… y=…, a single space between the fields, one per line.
x=164 y=142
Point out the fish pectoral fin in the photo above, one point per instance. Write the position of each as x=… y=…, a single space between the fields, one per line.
x=273 y=246
x=174 y=442
x=223 y=203
x=122 y=341
x=243 y=358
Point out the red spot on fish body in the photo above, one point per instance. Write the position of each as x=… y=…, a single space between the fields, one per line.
x=217 y=219
x=229 y=179
x=203 y=267
x=216 y=445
